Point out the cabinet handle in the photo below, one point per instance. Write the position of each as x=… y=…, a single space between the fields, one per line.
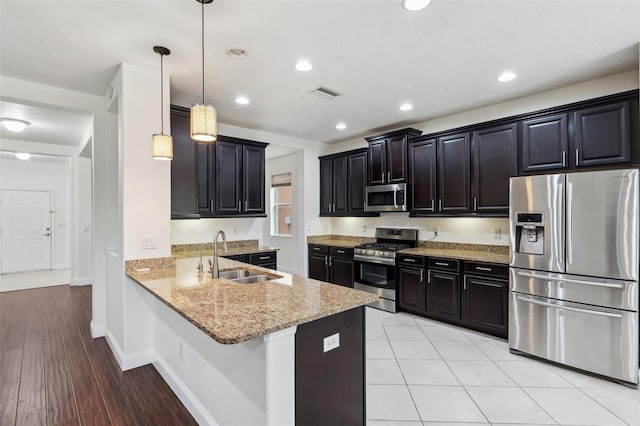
x=211 y=205
x=577 y=159
x=329 y=207
x=315 y=248
x=334 y=207
x=409 y=260
x=239 y=205
x=330 y=261
x=340 y=251
x=564 y=158
x=326 y=261
x=245 y=205
x=464 y=285
x=429 y=277
x=421 y=275
x=440 y=204
x=388 y=177
x=441 y=263
x=475 y=203
x=481 y=268
x=264 y=257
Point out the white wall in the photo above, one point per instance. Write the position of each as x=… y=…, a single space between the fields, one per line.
x=204 y=230
x=474 y=230
x=45 y=174
x=81 y=222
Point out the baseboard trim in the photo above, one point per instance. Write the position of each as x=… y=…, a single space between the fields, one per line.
x=81 y=281
x=128 y=361
x=184 y=394
x=97 y=330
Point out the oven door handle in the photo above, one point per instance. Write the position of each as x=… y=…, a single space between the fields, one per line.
x=569 y=308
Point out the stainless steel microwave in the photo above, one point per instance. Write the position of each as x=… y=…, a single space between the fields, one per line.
x=386 y=198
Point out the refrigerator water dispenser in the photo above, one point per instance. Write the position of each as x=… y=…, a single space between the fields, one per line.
x=530 y=233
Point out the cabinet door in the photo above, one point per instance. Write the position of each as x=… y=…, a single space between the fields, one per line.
x=602 y=135
x=396 y=159
x=495 y=160
x=454 y=173
x=326 y=186
x=184 y=182
x=377 y=162
x=443 y=295
x=318 y=267
x=341 y=271
x=357 y=182
x=228 y=160
x=484 y=304
x=340 y=204
x=253 y=181
x=412 y=289
x=422 y=175
x=206 y=178
x=545 y=143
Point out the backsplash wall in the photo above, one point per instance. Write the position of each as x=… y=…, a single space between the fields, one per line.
x=472 y=230
x=204 y=230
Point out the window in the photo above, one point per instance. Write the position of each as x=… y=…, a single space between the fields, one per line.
x=281 y=205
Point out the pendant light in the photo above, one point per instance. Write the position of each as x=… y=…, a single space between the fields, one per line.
x=162 y=144
x=203 y=116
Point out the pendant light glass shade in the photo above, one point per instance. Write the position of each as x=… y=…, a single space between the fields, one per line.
x=162 y=147
x=204 y=127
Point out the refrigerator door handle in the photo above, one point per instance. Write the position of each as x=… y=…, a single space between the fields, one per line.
x=572 y=281
x=569 y=223
x=569 y=308
x=558 y=236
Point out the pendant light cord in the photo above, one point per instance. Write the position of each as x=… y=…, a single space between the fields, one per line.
x=161 y=94
x=202 y=3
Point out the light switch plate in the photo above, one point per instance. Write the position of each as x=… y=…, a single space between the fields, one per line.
x=331 y=342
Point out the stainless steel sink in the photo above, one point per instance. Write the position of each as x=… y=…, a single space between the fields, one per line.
x=233 y=274
x=253 y=279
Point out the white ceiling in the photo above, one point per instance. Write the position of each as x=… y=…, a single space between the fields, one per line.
x=443 y=59
x=48 y=125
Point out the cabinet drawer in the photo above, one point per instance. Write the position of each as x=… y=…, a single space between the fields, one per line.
x=405 y=259
x=341 y=252
x=490 y=269
x=318 y=249
x=262 y=258
x=444 y=264
x=239 y=257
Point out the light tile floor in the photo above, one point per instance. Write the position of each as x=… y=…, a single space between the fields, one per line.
x=34 y=279
x=424 y=372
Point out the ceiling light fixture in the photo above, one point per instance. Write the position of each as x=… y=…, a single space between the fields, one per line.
x=162 y=144
x=507 y=76
x=22 y=155
x=406 y=107
x=237 y=53
x=304 y=66
x=14 y=124
x=242 y=100
x=203 y=117
x=413 y=5
x=341 y=126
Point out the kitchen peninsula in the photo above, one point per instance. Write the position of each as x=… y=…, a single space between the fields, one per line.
x=257 y=351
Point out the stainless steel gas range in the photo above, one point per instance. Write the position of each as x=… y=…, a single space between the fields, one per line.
x=376 y=265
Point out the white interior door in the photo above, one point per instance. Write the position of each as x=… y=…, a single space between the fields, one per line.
x=26 y=230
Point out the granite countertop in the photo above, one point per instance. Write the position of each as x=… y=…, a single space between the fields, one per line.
x=182 y=251
x=475 y=252
x=232 y=313
x=339 y=240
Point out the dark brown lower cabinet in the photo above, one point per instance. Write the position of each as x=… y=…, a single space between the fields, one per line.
x=318 y=267
x=330 y=385
x=331 y=264
x=484 y=304
x=443 y=295
x=412 y=289
x=267 y=260
x=341 y=271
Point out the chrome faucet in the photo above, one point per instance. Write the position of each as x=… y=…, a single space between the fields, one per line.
x=216 y=268
x=200 y=264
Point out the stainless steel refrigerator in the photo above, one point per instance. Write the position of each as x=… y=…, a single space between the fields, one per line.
x=574 y=270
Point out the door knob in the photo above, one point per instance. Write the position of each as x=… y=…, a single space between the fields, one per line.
x=46 y=235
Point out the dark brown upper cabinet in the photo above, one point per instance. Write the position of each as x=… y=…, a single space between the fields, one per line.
x=545 y=143
x=388 y=156
x=343 y=179
x=423 y=175
x=494 y=153
x=239 y=176
x=454 y=173
x=184 y=197
x=602 y=135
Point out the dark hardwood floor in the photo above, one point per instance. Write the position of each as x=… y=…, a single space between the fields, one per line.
x=53 y=373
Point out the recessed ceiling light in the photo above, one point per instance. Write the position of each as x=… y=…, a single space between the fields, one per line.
x=304 y=66
x=242 y=100
x=14 y=125
x=413 y=5
x=237 y=53
x=406 y=107
x=341 y=126
x=506 y=76
x=22 y=155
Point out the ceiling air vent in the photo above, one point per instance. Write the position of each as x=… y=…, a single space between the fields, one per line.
x=324 y=93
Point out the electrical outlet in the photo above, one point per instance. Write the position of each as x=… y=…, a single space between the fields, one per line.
x=149 y=242
x=331 y=342
x=436 y=231
x=364 y=228
x=497 y=233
